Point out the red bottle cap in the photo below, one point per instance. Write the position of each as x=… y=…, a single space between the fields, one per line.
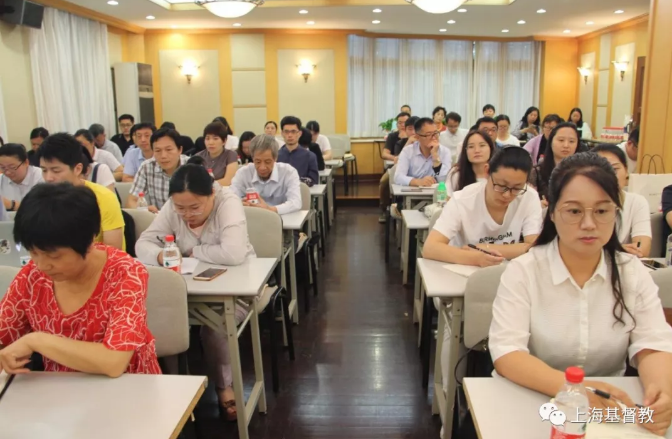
x=574 y=375
x=210 y=171
x=141 y=194
x=170 y=238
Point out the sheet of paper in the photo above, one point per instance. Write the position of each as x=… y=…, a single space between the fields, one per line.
x=189 y=265
x=462 y=270
x=617 y=431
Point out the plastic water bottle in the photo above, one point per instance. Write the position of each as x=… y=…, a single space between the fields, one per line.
x=172 y=259
x=142 y=202
x=668 y=251
x=572 y=400
x=441 y=194
x=212 y=174
x=251 y=195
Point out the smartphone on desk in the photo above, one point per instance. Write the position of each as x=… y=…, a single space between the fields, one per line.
x=654 y=265
x=210 y=274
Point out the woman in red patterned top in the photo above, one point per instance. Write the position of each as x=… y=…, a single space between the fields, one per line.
x=80 y=305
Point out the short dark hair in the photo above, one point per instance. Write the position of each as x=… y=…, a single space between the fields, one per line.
x=271 y=122
x=605 y=147
x=168 y=125
x=313 y=126
x=634 y=137
x=191 y=178
x=166 y=132
x=2 y=142
x=306 y=137
x=502 y=117
x=97 y=129
x=513 y=157
x=484 y=119
x=421 y=122
x=88 y=135
x=406 y=105
x=126 y=116
x=290 y=120
x=247 y=135
x=439 y=108
x=62 y=147
x=489 y=107
x=39 y=132
x=454 y=116
x=412 y=121
x=216 y=129
x=550 y=118
x=143 y=126
x=196 y=160
x=223 y=120
x=14 y=150
x=87 y=160
x=402 y=114
x=53 y=216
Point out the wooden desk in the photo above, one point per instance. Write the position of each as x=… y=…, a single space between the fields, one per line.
x=83 y=406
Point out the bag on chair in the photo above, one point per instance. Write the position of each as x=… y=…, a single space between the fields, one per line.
x=650 y=186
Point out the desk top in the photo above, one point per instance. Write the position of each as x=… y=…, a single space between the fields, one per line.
x=415 y=220
x=83 y=406
x=407 y=191
x=334 y=163
x=388 y=163
x=439 y=281
x=317 y=190
x=242 y=280
x=326 y=173
x=294 y=220
x=502 y=409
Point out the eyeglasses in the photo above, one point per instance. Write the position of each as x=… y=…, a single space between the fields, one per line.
x=503 y=127
x=573 y=213
x=504 y=189
x=290 y=132
x=430 y=135
x=488 y=130
x=5 y=169
x=126 y=125
x=188 y=212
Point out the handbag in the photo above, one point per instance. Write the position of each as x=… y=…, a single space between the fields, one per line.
x=648 y=185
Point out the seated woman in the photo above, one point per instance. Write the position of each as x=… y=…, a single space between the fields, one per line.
x=576 y=117
x=633 y=225
x=222 y=161
x=209 y=224
x=492 y=215
x=97 y=172
x=479 y=150
x=576 y=299
x=244 y=156
x=306 y=141
x=528 y=127
x=80 y=305
x=504 y=137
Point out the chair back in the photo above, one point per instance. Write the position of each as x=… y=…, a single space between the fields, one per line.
x=338 y=147
x=478 y=298
x=343 y=138
x=305 y=197
x=10 y=216
x=434 y=219
x=663 y=278
x=391 y=173
x=657 y=239
x=167 y=313
x=7 y=275
x=265 y=231
x=123 y=189
x=142 y=218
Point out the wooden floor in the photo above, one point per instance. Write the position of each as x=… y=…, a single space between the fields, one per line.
x=357 y=370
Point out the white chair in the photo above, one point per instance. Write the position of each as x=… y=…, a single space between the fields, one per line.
x=123 y=189
x=349 y=158
x=168 y=314
x=657 y=240
x=265 y=231
x=479 y=295
x=388 y=214
x=10 y=216
x=338 y=152
x=7 y=275
x=663 y=278
x=142 y=219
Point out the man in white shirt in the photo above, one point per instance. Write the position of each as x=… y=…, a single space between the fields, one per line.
x=631 y=149
x=454 y=136
x=86 y=139
x=277 y=184
x=426 y=161
x=18 y=177
x=100 y=139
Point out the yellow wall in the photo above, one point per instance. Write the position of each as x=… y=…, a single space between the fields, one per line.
x=558 y=77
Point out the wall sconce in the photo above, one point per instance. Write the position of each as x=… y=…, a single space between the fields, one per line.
x=621 y=66
x=585 y=72
x=189 y=69
x=306 y=69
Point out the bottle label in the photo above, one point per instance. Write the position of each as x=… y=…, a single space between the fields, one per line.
x=557 y=434
x=252 y=197
x=172 y=264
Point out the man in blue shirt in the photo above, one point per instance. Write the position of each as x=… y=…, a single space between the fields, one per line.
x=425 y=162
x=141 y=151
x=301 y=159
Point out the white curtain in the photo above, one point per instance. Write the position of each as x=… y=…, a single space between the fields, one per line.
x=71 y=73
x=386 y=73
x=506 y=75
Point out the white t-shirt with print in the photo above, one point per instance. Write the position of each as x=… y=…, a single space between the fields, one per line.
x=510 y=141
x=635 y=219
x=466 y=220
x=231 y=142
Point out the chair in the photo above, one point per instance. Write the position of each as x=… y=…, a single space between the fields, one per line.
x=348 y=157
x=388 y=216
x=265 y=231
x=479 y=295
x=657 y=237
x=123 y=189
x=308 y=246
x=663 y=278
x=338 y=151
x=168 y=315
x=142 y=218
x=7 y=275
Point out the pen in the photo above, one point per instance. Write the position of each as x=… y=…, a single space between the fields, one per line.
x=639 y=244
x=481 y=250
x=607 y=395
x=9 y=381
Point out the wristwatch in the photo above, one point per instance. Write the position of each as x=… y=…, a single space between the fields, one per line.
x=12 y=206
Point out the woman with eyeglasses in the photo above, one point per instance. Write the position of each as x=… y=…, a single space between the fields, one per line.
x=577 y=299
x=471 y=167
x=528 y=127
x=208 y=223
x=503 y=136
x=491 y=215
x=634 y=222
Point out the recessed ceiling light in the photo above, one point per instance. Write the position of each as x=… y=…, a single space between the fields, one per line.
x=377 y=11
x=521 y=21
x=303 y=11
x=566 y=31
x=443 y=30
x=310 y=22
x=505 y=30
x=237 y=24
x=541 y=11
x=590 y=22
x=619 y=11
x=113 y=3
x=150 y=17
x=376 y=22
x=451 y=21
x=462 y=10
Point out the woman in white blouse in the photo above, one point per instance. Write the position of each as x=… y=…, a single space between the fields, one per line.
x=504 y=137
x=320 y=139
x=633 y=225
x=576 y=299
x=576 y=117
x=471 y=167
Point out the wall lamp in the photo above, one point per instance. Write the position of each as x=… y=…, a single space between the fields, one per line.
x=621 y=67
x=189 y=69
x=306 y=68
x=585 y=72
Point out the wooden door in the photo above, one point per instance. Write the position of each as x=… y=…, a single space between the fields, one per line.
x=639 y=90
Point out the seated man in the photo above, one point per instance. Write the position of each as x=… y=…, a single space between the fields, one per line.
x=80 y=305
x=454 y=136
x=277 y=184
x=390 y=152
x=405 y=136
x=18 y=177
x=487 y=125
x=139 y=152
x=61 y=161
x=101 y=141
x=425 y=162
x=153 y=177
x=489 y=110
x=124 y=140
x=301 y=159
x=186 y=142
x=631 y=149
x=85 y=137
x=37 y=136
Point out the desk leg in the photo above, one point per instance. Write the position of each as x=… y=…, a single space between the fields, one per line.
x=416 y=300
x=330 y=207
x=455 y=336
x=236 y=371
x=258 y=363
x=426 y=347
x=292 y=279
x=324 y=210
x=405 y=251
x=421 y=313
x=438 y=370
